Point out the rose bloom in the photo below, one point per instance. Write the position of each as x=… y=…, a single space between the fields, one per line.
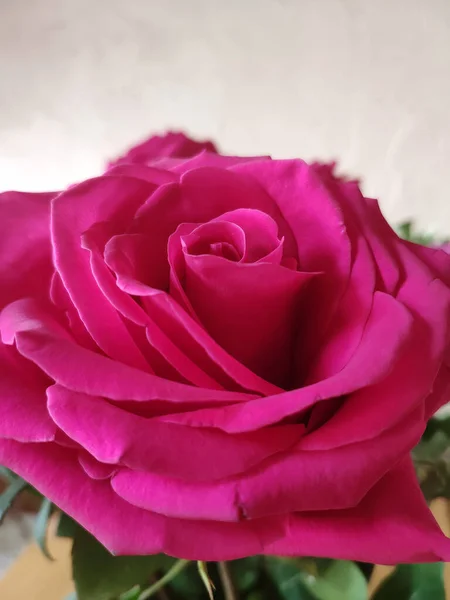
x=215 y=357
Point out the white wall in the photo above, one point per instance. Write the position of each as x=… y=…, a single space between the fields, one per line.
x=365 y=81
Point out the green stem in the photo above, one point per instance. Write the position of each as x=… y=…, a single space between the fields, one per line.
x=227 y=581
x=171 y=574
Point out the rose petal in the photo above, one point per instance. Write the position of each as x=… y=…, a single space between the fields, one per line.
x=128 y=307
x=369 y=221
x=113 y=199
x=94 y=468
x=253 y=310
x=208 y=159
x=115 y=436
x=22 y=400
x=296 y=480
x=348 y=324
x=437 y=259
x=389 y=326
x=123 y=528
x=319 y=229
x=144 y=172
x=202 y=195
x=193 y=339
x=43 y=341
x=171 y=144
x=440 y=393
x=25 y=257
x=369 y=411
x=391 y=525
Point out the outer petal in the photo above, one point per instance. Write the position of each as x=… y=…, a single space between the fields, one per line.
x=391 y=525
x=292 y=481
x=25 y=249
x=115 y=436
x=171 y=144
x=48 y=345
x=24 y=415
x=208 y=159
x=123 y=528
x=144 y=172
x=437 y=259
x=371 y=410
x=365 y=216
x=348 y=325
x=112 y=199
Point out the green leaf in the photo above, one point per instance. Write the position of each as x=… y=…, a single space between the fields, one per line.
x=432 y=461
x=67 y=527
x=99 y=575
x=10 y=494
x=342 y=580
x=405 y=230
x=246 y=572
x=307 y=579
x=41 y=526
x=413 y=582
x=288 y=579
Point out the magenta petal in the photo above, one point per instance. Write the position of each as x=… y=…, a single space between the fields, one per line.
x=114 y=199
x=391 y=525
x=348 y=324
x=440 y=392
x=115 y=436
x=292 y=481
x=208 y=159
x=132 y=257
x=319 y=228
x=361 y=371
x=194 y=341
x=62 y=301
x=172 y=497
x=260 y=230
x=144 y=172
x=172 y=144
x=202 y=195
x=25 y=249
x=253 y=310
x=94 y=468
x=369 y=411
x=437 y=259
x=367 y=219
x=22 y=399
x=44 y=342
x=57 y=474
x=123 y=528
x=130 y=309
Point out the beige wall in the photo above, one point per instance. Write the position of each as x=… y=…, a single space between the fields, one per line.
x=366 y=81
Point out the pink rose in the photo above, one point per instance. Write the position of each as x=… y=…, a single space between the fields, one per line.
x=170 y=145
x=222 y=358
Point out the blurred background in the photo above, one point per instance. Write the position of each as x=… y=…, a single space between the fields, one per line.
x=362 y=81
